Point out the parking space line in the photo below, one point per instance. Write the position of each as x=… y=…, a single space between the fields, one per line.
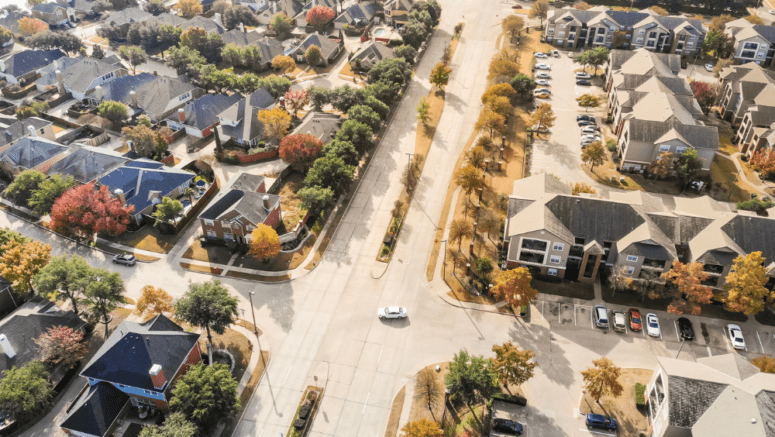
x=710 y=354
x=574 y=316
x=760 y=341
x=595 y=432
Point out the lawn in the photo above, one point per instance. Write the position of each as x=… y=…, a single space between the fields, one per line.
x=419 y=409
x=238 y=346
x=630 y=420
x=213 y=254
x=148 y=238
x=347 y=71
x=723 y=171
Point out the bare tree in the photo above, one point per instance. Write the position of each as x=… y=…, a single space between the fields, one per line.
x=428 y=389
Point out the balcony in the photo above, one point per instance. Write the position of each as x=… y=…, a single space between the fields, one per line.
x=534 y=258
x=713 y=269
x=653 y=263
x=576 y=251
x=534 y=245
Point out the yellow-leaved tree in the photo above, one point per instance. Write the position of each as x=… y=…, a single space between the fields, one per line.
x=286 y=64
x=189 y=8
x=512 y=364
x=154 y=301
x=513 y=286
x=276 y=122
x=422 y=428
x=744 y=287
x=601 y=379
x=264 y=243
x=20 y=262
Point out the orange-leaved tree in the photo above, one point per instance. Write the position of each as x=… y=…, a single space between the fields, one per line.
x=264 y=242
x=689 y=291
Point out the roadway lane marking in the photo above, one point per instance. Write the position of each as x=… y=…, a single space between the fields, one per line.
x=286 y=375
x=380 y=354
x=760 y=341
x=542 y=312
x=365 y=403
x=709 y=353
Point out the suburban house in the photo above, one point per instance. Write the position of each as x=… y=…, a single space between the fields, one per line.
x=83 y=8
x=744 y=87
x=126 y=17
x=120 y=88
x=136 y=367
x=717 y=395
x=358 y=15
x=240 y=38
x=752 y=42
x=242 y=204
x=369 y=54
x=291 y=8
x=598 y=26
x=40 y=127
x=162 y=96
x=85 y=163
x=25 y=65
x=397 y=12
x=270 y=48
x=10 y=20
x=48 y=74
x=83 y=78
x=322 y=125
x=329 y=48
x=143 y=184
x=301 y=18
x=239 y=122
x=165 y=18
x=30 y=153
x=556 y=234
x=22 y=326
x=640 y=62
x=199 y=117
x=53 y=14
x=208 y=24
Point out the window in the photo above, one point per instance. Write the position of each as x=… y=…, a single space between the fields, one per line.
x=652 y=34
x=42 y=131
x=560 y=34
x=212 y=235
x=747 y=54
x=552 y=272
x=562 y=26
x=609 y=38
x=225 y=224
x=612 y=29
x=184 y=96
x=639 y=41
x=554 y=259
x=571 y=37
x=551 y=31
x=664 y=148
x=641 y=32
x=558 y=246
x=760 y=55
x=599 y=39
x=650 y=43
x=628 y=36
x=209 y=223
x=600 y=30
x=750 y=46
x=680 y=150
x=632 y=258
x=682 y=38
x=630 y=270
x=689 y=45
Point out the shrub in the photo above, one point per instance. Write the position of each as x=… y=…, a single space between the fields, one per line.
x=640 y=390
x=611 y=144
x=755 y=205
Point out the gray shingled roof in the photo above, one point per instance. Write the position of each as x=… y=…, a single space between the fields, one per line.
x=21 y=128
x=79 y=76
x=595 y=219
x=699 y=137
x=153 y=97
x=753 y=234
x=247 y=109
x=128 y=16
x=322 y=125
x=207 y=24
x=47 y=8
x=691 y=226
x=11 y=20
x=247 y=204
x=371 y=53
x=86 y=164
x=96 y=410
x=328 y=47
x=690 y=398
x=26 y=61
x=516 y=206
x=240 y=38
x=203 y=112
x=29 y=152
x=765 y=400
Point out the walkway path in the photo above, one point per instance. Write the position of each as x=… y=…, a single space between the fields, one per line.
x=762 y=187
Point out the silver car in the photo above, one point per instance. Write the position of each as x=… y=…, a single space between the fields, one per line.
x=392 y=313
x=125 y=259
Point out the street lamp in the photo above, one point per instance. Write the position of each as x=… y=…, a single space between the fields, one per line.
x=444 y=266
x=255 y=328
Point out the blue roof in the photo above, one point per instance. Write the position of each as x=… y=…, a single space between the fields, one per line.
x=145 y=163
x=97 y=410
x=29 y=60
x=137 y=183
x=31 y=152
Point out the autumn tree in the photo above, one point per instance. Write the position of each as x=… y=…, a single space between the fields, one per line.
x=720 y=65
x=601 y=379
x=663 y=165
x=313 y=55
x=296 y=100
x=471 y=378
x=319 y=16
x=103 y=295
x=112 y=110
x=754 y=19
x=154 y=301
x=29 y=26
x=20 y=262
x=719 y=22
x=587 y=101
x=745 y=285
x=594 y=154
x=134 y=55
x=543 y=117
x=705 y=94
x=492 y=122
x=143 y=139
x=423 y=110
x=539 y=9
x=300 y=150
x=61 y=345
x=718 y=44
x=476 y=156
x=512 y=364
x=580 y=187
x=422 y=428
x=689 y=293
x=762 y=162
x=469 y=179
x=23 y=185
x=513 y=286
x=503 y=68
x=513 y=25
x=499 y=105
x=264 y=242
x=64 y=277
x=83 y=211
x=440 y=75
x=189 y=8
x=582 y=6
x=207 y=305
x=501 y=89
x=765 y=363
x=276 y=122
x=234 y=15
x=459 y=230
x=659 y=10
x=281 y=24
x=286 y=64
x=25 y=391
x=428 y=388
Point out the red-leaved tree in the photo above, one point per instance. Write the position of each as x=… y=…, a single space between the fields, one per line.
x=689 y=291
x=83 y=212
x=61 y=344
x=295 y=100
x=764 y=163
x=705 y=94
x=319 y=16
x=300 y=150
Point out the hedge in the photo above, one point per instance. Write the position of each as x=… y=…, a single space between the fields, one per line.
x=640 y=390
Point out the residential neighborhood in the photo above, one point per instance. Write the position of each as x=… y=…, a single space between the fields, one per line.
x=409 y=218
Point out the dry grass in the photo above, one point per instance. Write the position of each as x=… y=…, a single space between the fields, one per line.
x=725 y=140
x=523 y=11
x=723 y=171
x=213 y=254
x=247 y=325
x=591 y=70
x=419 y=409
x=197 y=268
x=148 y=238
x=290 y=201
x=426 y=132
x=261 y=278
x=123 y=149
x=630 y=420
x=237 y=344
x=750 y=174
x=395 y=413
x=247 y=392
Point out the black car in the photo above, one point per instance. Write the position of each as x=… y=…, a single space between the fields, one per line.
x=583 y=82
x=685 y=328
x=507 y=426
x=586 y=123
x=584 y=117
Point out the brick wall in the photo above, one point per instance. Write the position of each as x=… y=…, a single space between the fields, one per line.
x=244 y=159
x=273 y=219
x=194 y=357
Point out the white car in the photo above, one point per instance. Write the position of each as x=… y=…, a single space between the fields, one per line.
x=543 y=75
x=543 y=90
x=652 y=325
x=736 y=336
x=591 y=138
x=543 y=66
x=582 y=75
x=709 y=67
x=392 y=313
x=542 y=82
x=771 y=11
x=541 y=55
x=594 y=130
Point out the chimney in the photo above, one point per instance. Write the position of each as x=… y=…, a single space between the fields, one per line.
x=60 y=82
x=266 y=202
x=31 y=130
x=182 y=115
x=157 y=376
x=119 y=193
x=99 y=93
x=134 y=99
x=241 y=27
x=8 y=136
x=6 y=345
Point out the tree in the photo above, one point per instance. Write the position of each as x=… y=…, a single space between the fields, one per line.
x=48 y=40
x=580 y=187
x=513 y=25
x=189 y=8
x=154 y=301
x=25 y=391
x=5 y=36
x=476 y=156
x=185 y=59
x=33 y=109
x=103 y=294
x=296 y=100
x=754 y=19
x=281 y=24
x=319 y=16
x=688 y=165
x=83 y=211
x=176 y=425
x=359 y=134
x=503 y=68
x=61 y=344
x=64 y=277
x=207 y=305
x=543 y=117
x=236 y=15
x=407 y=52
x=513 y=286
x=601 y=379
x=43 y=198
x=428 y=388
x=112 y=110
x=414 y=34
x=686 y=279
x=596 y=57
x=422 y=110
x=659 y=10
x=208 y=45
x=717 y=44
x=471 y=378
x=316 y=198
x=539 y=9
x=433 y=9
x=377 y=106
x=662 y=166
x=20 y=262
x=469 y=179
x=313 y=55
x=134 y=55
x=765 y=363
x=8 y=236
x=719 y=22
x=286 y=64
x=440 y=75
x=300 y=150
x=762 y=162
x=342 y=149
x=513 y=365
x=501 y=89
x=330 y=171
x=421 y=428
x=206 y=394
x=501 y=106
x=393 y=70
x=29 y=26
x=491 y=121
x=141 y=138
x=319 y=96
x=587 y=101
x=264 y=242
x=342 y=98
x=620 y=37
x=384 y=91
x=594 y=154
x=705 y=94
x=155 y=7
x=523 y=85
x=23 y=185
x=276 y=122
x=582 y=6
x=364 y=114
x=745 y=285
x=720 y=65
x=167 y=210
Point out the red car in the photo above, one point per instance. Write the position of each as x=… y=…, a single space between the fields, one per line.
x=635 y=323
x=516 y=7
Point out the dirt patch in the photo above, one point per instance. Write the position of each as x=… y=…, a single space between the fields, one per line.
x=122 y=149
x=419 y=409
x=576 y=290
x=628 y=417
x=148 y=238
x=247 y=392
x=197 y=268
x=213 y=254
x=290 y=201
x=426 y=132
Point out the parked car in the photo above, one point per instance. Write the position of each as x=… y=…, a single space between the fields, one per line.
x=619 y=321
x=392 y=313
x=771 y=11
x=709 y=67
x=590 y=130
x=543 y=66
x=600 y=421
x=543 y=75
x=583 y=82
x=652 y=325
x=556 y=53
x=125 y=259
x=507 y=426
x=736 y=336
x=571 y=55
x=586 y=122
x=583 y=75
x=540 y=55
x=635 y=323
x=685 y=329
x=543 y=82
x=516 y=7
x=541 y=95
x=601 y=316
x=584 y=117
x=590 y=137
x=543 y=90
